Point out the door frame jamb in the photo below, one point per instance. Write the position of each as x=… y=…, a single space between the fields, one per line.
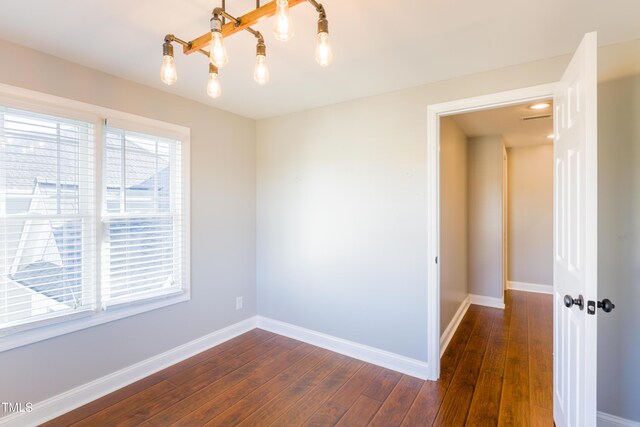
x=434 y=113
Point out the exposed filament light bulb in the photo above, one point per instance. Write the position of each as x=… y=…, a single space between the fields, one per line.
x=283 y=29
x=324 y=56
x=218 y=53
x=261 y=71
x=168 y=73
x=214 y=88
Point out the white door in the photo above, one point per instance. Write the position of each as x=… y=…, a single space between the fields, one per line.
x=575 y=246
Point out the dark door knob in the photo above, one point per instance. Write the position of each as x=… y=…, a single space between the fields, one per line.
x=569 y=301
x=606 y=305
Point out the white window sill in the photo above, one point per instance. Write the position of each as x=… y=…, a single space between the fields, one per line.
x=61 y=326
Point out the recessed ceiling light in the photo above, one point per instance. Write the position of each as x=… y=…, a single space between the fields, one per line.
x=540 y=106
x=551 y=136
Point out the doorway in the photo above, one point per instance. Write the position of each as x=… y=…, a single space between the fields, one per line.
x=530 y=95
x=496 y=261
x=496 y=207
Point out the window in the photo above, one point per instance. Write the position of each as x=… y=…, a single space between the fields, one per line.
x=93 y=220
x=47 y=230
x=143 y=216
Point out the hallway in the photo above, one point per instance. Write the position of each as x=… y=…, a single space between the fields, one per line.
x=498 y=368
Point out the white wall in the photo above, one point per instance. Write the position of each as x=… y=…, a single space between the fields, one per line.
x=485 y=209
x=341 y=208
x=222 y=233
x=454 y=286
x=619 y=246
x=530 y=214
x=342 y=229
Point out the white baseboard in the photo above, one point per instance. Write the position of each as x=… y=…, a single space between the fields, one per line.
x=72 y=399
x=393 y=361
x=487 y=301
x=530 y=287
x=608 y=420
x=448 y=333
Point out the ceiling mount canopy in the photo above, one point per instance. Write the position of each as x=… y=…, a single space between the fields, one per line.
x=220 y=29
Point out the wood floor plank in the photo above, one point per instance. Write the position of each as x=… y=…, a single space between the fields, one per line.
x=496 y=355
x=514 y=405
x=541 y=417
x=382 y=385
x=356 y=385
x=425 y=407
x=333 y=409
x=485 y=406
x=540 y=360
x=265 y=393
x=328 y=415
x=254 y=337
x=103 y=403
x=396 y=406
x=138 y=414
x=305 y=407
x=249 y=339
x=213 y=407
x=194 y=398
x=286 y=342
x=273 y=409
x=145 y=412
x=457 y=401
x=455 y=349
x=502 y=323
x=427 y=404
x=119 y=409
x=455 y=406
x=147 y=409
x=361 y=413
x=241 y=353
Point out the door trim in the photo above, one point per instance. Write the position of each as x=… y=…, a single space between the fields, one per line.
x=434 y=113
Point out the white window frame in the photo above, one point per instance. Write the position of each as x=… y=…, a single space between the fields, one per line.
x=104 y=216
x=88 y=250
x=29 y=100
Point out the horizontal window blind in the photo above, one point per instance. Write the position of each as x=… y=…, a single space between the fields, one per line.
x=144 y=224
x=47 y=217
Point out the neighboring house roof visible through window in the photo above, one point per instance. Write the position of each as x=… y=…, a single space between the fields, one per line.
x=49 y=250
x=48 y=279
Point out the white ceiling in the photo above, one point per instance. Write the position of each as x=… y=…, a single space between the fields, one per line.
x=508 y=122
x=379 y=46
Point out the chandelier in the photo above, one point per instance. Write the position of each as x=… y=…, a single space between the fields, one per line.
x=220 y=29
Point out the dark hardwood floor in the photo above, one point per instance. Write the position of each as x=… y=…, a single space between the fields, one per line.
x=497 y=370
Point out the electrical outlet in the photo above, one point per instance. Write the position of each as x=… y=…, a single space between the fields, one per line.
x=239 y=303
